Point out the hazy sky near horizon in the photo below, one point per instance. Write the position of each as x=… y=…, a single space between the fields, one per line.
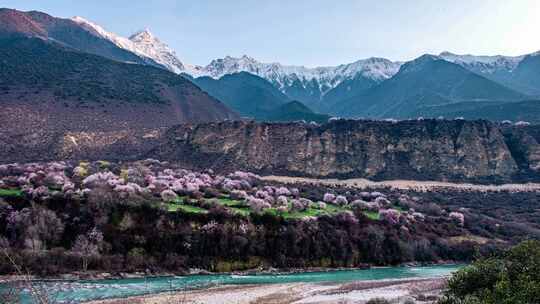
x=315 y=32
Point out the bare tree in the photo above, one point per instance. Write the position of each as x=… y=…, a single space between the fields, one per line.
x=37 y=226
x=88 y=246
x=39 y=293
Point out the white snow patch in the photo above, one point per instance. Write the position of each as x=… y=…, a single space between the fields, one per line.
x=142 y=43
x=484 y=64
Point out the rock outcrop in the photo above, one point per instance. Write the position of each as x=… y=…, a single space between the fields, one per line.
x=444 y=150
x=430 y=149
x=524 y=144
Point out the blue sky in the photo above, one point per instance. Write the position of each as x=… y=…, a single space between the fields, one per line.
x=315 y=32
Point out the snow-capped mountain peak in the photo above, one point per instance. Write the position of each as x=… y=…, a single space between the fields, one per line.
x=145 y=44
x=150 y=45
x=143 y=35
x=285 y=75
x=101 y=32
x=483 y=64
x=418 y=63
x=142 y=43
x=373 y=68
x=230 y=65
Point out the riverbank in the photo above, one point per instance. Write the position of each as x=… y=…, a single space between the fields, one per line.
x=99 y=275
x=196 y=287
x=421 y=290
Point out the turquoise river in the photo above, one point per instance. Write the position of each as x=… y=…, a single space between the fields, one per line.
x=80 y=291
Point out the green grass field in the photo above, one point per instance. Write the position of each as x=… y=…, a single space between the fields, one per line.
x=229 y=202
x=241 y=208
x=10 y=193
x=298 y=214
x=244 y=211
x=179 y=204
x=173 y=207
x=372 y=215
x=237 y=206
x=315 y=212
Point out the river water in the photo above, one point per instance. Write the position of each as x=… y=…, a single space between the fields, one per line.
x=75 y=292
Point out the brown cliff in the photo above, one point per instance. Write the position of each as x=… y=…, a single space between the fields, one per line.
x=430 y=149
x=476 y=151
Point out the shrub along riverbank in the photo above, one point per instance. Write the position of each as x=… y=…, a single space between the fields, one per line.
x=512 y=277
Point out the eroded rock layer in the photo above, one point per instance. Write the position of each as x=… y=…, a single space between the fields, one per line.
x=476 y=151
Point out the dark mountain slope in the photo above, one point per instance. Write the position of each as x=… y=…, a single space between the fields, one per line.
x=63 y=31
x=526 y=77
x=294 y=111
x=346 y=90
x=249 y=95
x=307 y=92
x=47 y=86
x=426 y=81
x=527 y=110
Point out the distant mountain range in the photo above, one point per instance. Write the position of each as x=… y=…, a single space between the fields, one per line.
x=373 y=87
x=379 y=88
x=446 y=84
x=424 y=82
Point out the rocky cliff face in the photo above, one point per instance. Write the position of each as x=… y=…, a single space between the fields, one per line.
x=440 y=150
x=476 y=151
x=524 y=144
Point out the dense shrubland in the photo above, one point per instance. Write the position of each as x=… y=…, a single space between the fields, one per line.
x=152 y=216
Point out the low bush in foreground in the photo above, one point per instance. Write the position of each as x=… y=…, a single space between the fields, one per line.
x=511 y=278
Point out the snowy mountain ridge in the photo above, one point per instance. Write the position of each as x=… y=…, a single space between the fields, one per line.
x=484 y=64
x=145 y=44
x=142 y=43
x=324 y=79
x=282 y=75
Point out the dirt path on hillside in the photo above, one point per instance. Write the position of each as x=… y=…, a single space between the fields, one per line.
x=361 y=183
